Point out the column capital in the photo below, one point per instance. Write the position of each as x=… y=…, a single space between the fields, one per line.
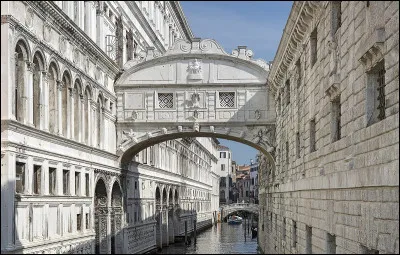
x=60 y=84
x=45 y=74
x=71 y=92
x=81 y=97
x=30 y=66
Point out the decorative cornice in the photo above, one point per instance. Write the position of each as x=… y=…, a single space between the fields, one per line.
x=176 y=6
x=146 y=26
x=73 y=31
x=299 y=20
x=45 y=136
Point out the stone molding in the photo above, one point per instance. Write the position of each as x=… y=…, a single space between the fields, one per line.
x=73 y=31
x=46 y=136
x=197 y=46
x=294 y=33
x=373 y=49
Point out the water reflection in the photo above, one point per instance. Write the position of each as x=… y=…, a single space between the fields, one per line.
x=220 y=239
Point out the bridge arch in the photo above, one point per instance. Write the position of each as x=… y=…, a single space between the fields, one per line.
x=194 y=89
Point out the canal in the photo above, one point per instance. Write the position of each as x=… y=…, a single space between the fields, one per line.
x=219 y=239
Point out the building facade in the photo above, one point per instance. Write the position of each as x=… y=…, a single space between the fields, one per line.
x=253 y=182
x=224 y=171
x=63 y=189
x=335 y=184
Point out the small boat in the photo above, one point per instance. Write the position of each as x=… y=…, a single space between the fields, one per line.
x=235 y=220
x=253 y=232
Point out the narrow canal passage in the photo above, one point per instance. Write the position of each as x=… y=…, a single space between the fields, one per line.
x=219 y=239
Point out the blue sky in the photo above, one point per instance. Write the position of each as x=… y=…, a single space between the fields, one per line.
x=255 y=24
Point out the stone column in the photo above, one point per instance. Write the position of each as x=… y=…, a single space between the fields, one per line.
x=81 y=10
x=70 y=119
x=101 y=128
x=87 y=26
x=7 y=198
x=28 y=93
x=93 y=21
x=79 y=101
x=93 y=134
x=60 y=86
x=45 y=101
x=29 y=176
x=100 y=38
x=45 y=178
x=89 y=120
x=82 y=127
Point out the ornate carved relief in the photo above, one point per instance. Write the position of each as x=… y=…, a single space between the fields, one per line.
x=63 y=44
x=130 y=136
x=29 y=17
x=134 y=115
x=195 y=71
x=264 y=135
x=47 y=31
x=86 y=64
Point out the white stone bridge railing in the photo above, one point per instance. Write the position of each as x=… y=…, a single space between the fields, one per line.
x=228 y=209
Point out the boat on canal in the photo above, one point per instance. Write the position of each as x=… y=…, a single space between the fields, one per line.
x=235 y=220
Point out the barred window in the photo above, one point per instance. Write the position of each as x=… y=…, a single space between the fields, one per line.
x=287 y=92
x=336 y=116
x=298 y=145
x=19 y=177
x=78 y=222
x=336 y=16
x=165 y=100
x=375 y=104
x=381 y=93
x=313 y=44
x=298 y=70
x=227 y=99
x=312 y=135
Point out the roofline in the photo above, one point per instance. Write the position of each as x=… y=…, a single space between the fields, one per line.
x=176 y=6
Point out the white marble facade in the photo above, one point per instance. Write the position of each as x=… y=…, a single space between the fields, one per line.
x=60 y=176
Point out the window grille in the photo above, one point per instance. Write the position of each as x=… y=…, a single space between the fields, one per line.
x=313 y=44
x=165 y=100
x=227 y=99
x=381 y=94
x=336 y=111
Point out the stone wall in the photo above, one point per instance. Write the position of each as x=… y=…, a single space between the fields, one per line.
x=343 y=196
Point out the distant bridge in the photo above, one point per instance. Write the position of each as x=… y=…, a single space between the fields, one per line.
x=231 y=208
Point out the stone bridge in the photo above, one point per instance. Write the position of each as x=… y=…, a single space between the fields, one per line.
x=231 y=208
x=194 y=89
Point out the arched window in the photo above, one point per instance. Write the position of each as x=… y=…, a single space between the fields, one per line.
x=53 y=95
x=38 y=103
x=87 y=97
x=64 y=99
x=99 y=121
x=77 y=112
x=21 y=55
